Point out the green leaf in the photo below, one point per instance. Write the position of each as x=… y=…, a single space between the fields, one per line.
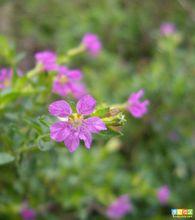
x=6 y=158
x=44 y=142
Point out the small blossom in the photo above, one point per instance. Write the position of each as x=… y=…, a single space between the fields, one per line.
x=5 y=77
x=120 y=207
x=163 y=194
x=74 y=127
x=68 y=82
x=48 y=59
x=167 y=29
x=92 y=44
x=27 y=213
x=135 y=106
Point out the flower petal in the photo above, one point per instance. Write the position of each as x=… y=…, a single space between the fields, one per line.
x=95 y=124
x=61 y=89
x=60 y=108
x=135 y=96
x=47 y=59
x=86 y=105
x=59 y=131
x=72 y=141
x=78 y=89
x=62 y=70
x=74 y=74
x=86 y=136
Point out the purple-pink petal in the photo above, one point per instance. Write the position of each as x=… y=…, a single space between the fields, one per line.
x=138 y=109
x=86 y=105
x=60 y=108
x=119 y=207
x=95 y=124
x=59 y=131
x=86 y=136
x=62 y=70
x=163 y=194
x=92 y=44
x=68 y=82
x=135 y=106
x=72 y=141
x=28 y=214
x=167 y=28
x=48 y=59
x=135 y=96
x=77 y=89
x=74 y=74
x=61 y=89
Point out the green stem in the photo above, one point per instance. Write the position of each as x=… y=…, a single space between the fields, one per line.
x=35 y=71
x=71 y=53
x=76 y=51
x=121 y=107
x=26 y=149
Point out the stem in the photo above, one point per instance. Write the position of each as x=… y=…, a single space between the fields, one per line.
x=75 y=51
x=71 y=53
x=121 y=107
x=34 y=71
x=25 y=149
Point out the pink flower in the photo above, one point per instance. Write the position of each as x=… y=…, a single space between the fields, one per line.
x=120 y=207
x=27 y=213
x=48 y=59
x=5 y=78
x=167 y=29
x=135 y=106
x=92 y=44
x=74 y=127
x=163 y=194
x=68 y=81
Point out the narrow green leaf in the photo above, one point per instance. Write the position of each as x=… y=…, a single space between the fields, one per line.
x=6 y=158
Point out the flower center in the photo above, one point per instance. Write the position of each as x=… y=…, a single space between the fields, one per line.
x=63 y=79
x=76 y=120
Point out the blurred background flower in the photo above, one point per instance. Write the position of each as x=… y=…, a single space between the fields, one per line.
x=163 y=194
x=167 y=29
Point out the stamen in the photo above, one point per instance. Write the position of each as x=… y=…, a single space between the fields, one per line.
x=63 y=79
x=76 y=120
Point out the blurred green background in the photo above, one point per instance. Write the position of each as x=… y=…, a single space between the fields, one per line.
x=155 y=150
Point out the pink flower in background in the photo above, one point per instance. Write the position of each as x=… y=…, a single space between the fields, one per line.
x=48 y=59
x=68 y=82
x=167 y=29
x=5 y=77
x=27 y=213
x=135 y=106
x=74 y=127
x=163 y=194
x=92 y=44
x=120 y=207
